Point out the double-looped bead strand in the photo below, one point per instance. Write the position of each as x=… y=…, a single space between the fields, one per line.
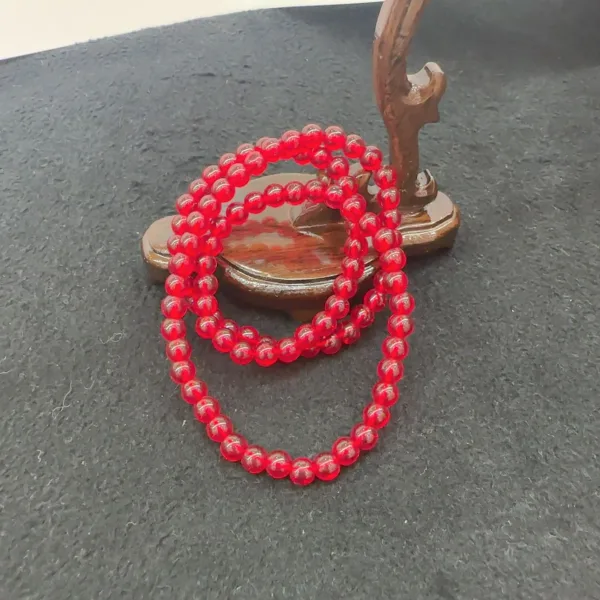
x=198 y=233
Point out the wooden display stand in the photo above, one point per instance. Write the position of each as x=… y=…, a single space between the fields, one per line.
x=288 y=257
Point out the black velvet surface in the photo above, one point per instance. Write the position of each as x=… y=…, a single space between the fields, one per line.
x=486 y=483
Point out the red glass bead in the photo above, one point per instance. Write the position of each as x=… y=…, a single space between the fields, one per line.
x=176 y=285
x=288 y=350
x=205 y=306
x=302 y=472
x=270 y=148
x=324 y=324
x=371 y=159
x=255 y=163
x=219 y=428
x=211 y=174
x=190 y=244
x=279 y=464
x=243 y=150
x=199 y=188
x=172 y=329
x=338 y=167
x=384 y=239
x=254 y=202
x=390 y=219
x=222 y=190
x=174 y=244
x=344 y=287
x=388 y=198
x=385 y=178
x=337 y=307
x=221 y=227
x=206 y=327
x=374 y=300
x=249 y=334
x=334 y=196
x=400 y=326
x=349 y=333
x=236 y=213
x=354 y=208
x=197 y=223
x=396 y=348
x=355 y=247
x=206 y=409
x=335 y=138
x=353 y=267
x=181 y=264
x=193 y=391
x=206 y=265
x=290 y=143
x=233 y=447
x=311 y=136
x=212 y=246
x=326 y=467
x=209 y=206
x=295 y=193
x=238 y=175
x=254 y=459
x=179 y=224
x=349 y=185
x=390 y=370
x=345 y=451
x=173 y=307
x=226 y=161
x=402 y=304
x=368 y=224
x=392 y=260
x=182 y=371
x=305 y=336
x=355 y=146
x=178 y=350
x=315 y=190
x=224 y=340
x=395 y=283
x=266 y=353
x=385 y=394
x=320 y=158
x=242 y=353
x=364 y=436
x=332 y=345
x=275 y=195
x=376 y=415
x=362 y=316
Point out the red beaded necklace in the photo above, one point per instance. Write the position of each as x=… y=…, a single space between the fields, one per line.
x=198 y=231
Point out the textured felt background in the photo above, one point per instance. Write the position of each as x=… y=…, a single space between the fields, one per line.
x=485 y=486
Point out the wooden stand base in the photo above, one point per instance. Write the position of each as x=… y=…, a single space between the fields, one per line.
x=270 y=262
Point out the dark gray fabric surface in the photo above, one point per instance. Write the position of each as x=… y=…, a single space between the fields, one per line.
x=485 y=486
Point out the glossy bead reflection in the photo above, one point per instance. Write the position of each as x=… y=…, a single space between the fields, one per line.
x=206 y=409
x=254 y=459
x=326 y=467
x=364 y=436
x=345 y=451
x=233 y=447
x=219 y=428
x=279 y=464
x=302 y=472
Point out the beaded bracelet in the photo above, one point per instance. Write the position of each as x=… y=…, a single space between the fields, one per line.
x=198 y=233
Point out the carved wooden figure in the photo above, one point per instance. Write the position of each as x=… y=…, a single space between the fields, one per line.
x=288 y=257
